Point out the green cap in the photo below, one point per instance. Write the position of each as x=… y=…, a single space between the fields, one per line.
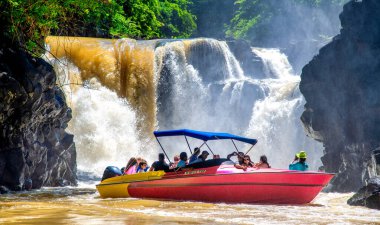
x=302 y=155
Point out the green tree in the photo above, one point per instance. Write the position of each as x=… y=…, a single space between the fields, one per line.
x=264 y=21
x=160 y=18
x=28 y=22
x=176 y=18
x=213 y=17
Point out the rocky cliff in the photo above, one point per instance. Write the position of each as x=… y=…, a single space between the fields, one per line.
x=35 y=150
x=341 y=86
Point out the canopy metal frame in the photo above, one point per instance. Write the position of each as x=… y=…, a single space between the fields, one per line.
x=223 y=136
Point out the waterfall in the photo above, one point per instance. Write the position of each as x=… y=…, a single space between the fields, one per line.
x=173 y=84
x=267 y=109
x=275 y=119
x=187 y=97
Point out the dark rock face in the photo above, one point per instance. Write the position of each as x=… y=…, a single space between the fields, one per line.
x=342 y=88
x=368 y=196
x=251 y=64
x=35 y=150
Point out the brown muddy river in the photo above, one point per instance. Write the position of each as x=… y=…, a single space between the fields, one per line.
x=84 y=206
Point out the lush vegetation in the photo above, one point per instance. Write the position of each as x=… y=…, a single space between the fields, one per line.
x=213 y=17
x=27 y=22
x=264 y=21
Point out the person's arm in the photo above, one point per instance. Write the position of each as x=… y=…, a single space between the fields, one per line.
x=152 y=167
x=230 y=155
x=295 y=160
x=237 y=166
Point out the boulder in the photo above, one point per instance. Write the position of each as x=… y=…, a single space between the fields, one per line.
x=368 y=195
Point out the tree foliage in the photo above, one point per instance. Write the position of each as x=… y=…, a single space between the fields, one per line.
x=213 y=17
x=265 y=20
x=28 y=22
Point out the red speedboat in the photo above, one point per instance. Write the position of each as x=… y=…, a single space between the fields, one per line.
x=217 y=180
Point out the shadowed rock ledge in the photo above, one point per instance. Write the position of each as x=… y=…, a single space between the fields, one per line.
x=368 y=196
x=341 y=86
x=35 y=150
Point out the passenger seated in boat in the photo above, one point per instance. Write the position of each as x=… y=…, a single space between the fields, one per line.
x=160 y=164
x=263 y=162
x=143 y=166
x=183 y=160
x=239 y=155
x=202 y=157
x=301 y=164
x=175 y=162
x=131 y=166
x=246 y=163
x=194 y=156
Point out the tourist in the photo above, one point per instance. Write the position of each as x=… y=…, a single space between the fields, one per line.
x=131 y=166
x=160 y=164
x=240 y=157
x=246 y=163
x=263 y=162
x=175 y=162
x=183 y=160
x=143 y=166
x=202 y=157
x=301 y=164
x=194 y=156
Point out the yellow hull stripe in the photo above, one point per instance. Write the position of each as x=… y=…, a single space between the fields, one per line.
x=117 y=187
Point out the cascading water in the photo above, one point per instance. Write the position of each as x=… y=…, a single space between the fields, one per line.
x=275 y=118
x=197 y=84
x=271 y=106
x=104 y=124
x=187 y=97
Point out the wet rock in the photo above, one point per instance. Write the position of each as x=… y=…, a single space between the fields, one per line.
x=28 y=184
x=4 y=190
x=251 y=64
x=35 y=150
x=368 y=196
x=341 y=86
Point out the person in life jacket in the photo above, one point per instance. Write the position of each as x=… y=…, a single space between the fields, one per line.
x=299 y=164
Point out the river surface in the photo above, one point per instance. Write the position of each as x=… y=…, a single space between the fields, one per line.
x=83 y=205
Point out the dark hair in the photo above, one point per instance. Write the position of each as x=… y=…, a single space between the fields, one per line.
x=132 y=161
x=249 y=158
x=302 y=160
x=143 y=162
x=197 y=150
x=264 y=159
x=161 y=156
x=205 y=152
x=183 y=156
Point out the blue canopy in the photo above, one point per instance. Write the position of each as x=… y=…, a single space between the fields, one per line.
x=205 y=136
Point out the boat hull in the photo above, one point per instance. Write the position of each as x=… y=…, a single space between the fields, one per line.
x=265 y=186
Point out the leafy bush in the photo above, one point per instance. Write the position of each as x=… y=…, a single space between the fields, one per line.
x=28 y=22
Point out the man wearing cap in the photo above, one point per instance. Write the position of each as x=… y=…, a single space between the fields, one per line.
x=301 y=165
